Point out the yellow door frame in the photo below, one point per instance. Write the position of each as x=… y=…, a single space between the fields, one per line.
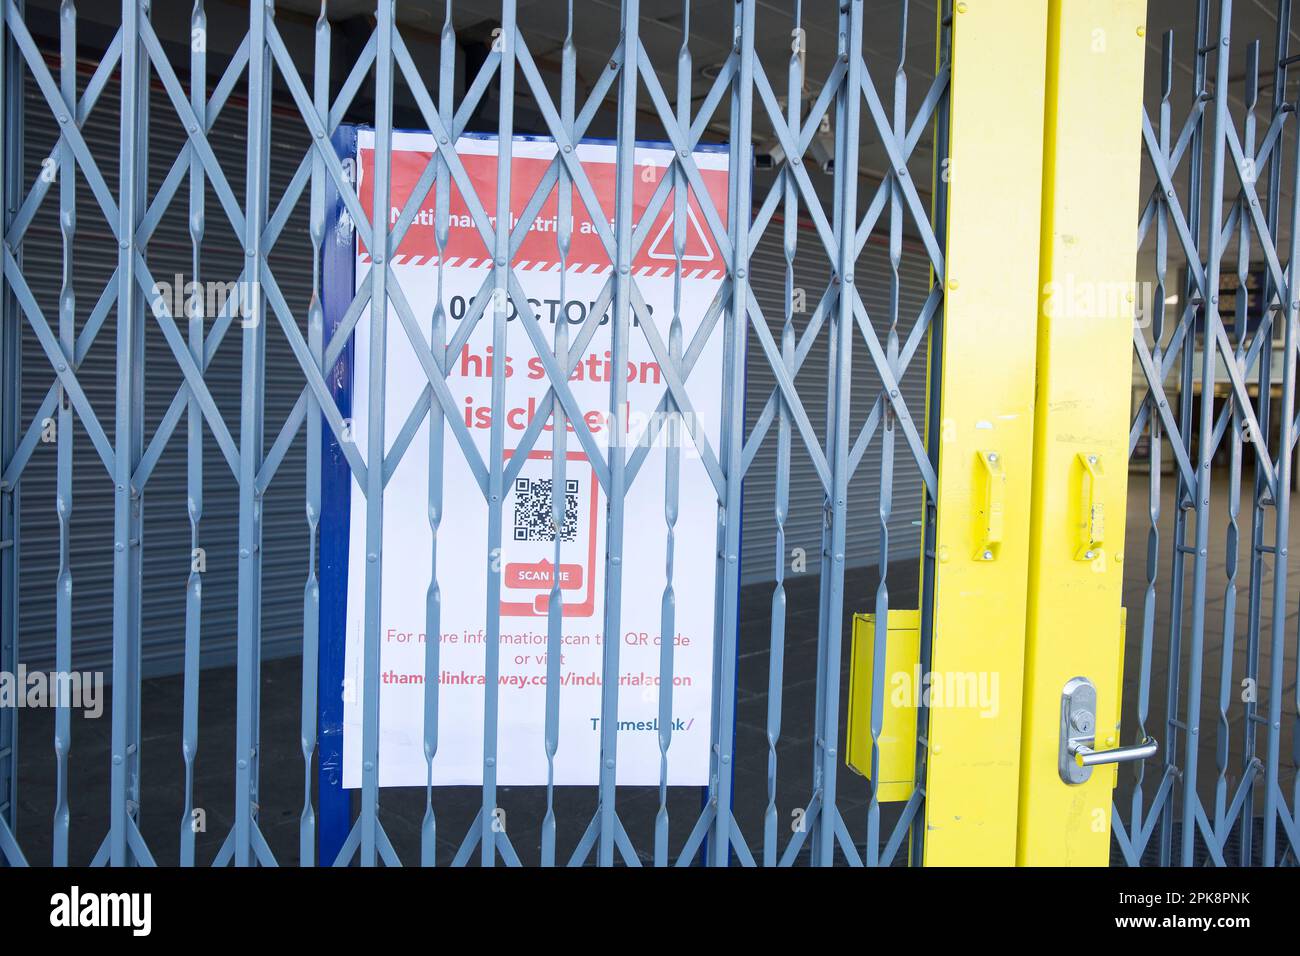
x=985 y=426
x=1042 y=189
x=1039 y=198
x=1074 y=625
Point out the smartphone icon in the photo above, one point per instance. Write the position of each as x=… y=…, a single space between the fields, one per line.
x=528 y=548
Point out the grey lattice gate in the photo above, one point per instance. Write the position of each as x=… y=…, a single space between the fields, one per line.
x=796 y=111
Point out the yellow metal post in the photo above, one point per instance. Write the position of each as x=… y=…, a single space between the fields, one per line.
x=1091 y=164
x=985 y=430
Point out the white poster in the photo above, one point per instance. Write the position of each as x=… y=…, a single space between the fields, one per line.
x=528 y=533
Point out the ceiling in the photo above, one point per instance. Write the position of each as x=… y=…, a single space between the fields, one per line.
x=543 y=25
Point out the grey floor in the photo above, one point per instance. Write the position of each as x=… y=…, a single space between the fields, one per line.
x=282 y=770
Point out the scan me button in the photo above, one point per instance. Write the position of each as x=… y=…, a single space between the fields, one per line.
x=539 y=575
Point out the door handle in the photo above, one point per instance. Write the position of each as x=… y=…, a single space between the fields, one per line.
x=1085 y=756
x=1076 y=756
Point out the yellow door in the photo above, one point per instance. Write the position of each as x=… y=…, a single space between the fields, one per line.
x=1074 y=626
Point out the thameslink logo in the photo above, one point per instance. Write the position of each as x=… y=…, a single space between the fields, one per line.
x=83 y=690
x=76 y=909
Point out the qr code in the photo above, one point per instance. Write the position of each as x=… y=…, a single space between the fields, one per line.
x=533 y=510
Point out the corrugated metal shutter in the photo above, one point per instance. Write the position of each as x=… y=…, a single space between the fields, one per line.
x=167 y=529
x=804 y=523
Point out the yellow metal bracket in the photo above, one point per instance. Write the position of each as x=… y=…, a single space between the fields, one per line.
x=989 y=514
x=902 y=688
x=1093 y=525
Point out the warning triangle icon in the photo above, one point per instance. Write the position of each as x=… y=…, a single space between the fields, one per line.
x=698 y=248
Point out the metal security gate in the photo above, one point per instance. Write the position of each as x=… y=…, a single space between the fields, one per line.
x=168 y=557
x=252 y=446
x=881 y=251
x=1218 y=368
